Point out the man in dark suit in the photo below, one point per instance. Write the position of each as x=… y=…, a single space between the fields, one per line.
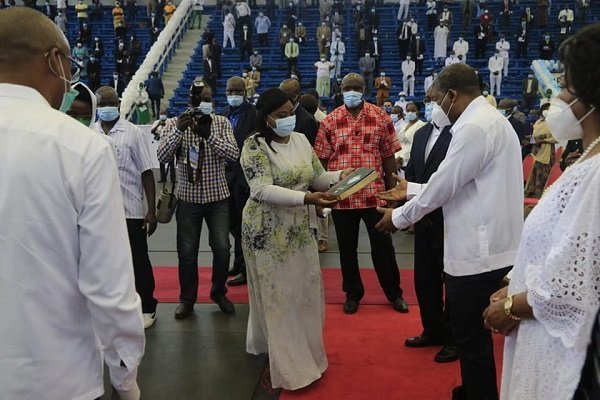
x=242 y=115
x=210 y=72
x=116 y=82
x=547 y=48
x=529 y=90
x=508 y=108
x=305 y=122
x=417 y=50
x=429 y=148
x=245 y=43
x=215 y=51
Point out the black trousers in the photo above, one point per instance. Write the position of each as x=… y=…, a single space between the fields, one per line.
x=467 y=297
x=142 y=268
x=239 y=194
x=245 y=49
x=155 y=102
x=480 y=48
x=263 y=39
x=429 y=280
x=382 y=253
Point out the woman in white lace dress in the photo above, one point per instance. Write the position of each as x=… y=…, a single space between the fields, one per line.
x=554 y=292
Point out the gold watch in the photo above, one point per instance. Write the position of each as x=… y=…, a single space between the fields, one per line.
x=508 y=308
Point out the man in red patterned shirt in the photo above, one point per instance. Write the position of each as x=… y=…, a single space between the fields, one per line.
x=360 y=134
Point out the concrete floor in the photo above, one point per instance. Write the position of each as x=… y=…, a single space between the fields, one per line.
x=204 y=357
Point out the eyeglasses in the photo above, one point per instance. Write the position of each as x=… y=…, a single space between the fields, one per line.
x=76 y=66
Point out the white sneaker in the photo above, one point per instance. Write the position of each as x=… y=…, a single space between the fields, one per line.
x=149 y=319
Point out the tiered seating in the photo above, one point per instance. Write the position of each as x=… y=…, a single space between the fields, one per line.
x=103 y=28
x=275 y=67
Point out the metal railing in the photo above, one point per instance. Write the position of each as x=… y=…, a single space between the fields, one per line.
x=159 y=55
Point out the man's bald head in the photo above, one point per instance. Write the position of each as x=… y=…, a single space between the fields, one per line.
x=291 y=87
x=27 y=33
x=353 y=81
x=107 y=97
x=34 y=53
x=235 y=86
x=459 y=77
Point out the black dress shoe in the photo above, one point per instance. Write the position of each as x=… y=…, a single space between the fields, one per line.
x=422 y=341
x=400 y=305
x=458 y=393
x=238 y=280
x=446 y=354
x=183 y=310
x=350 y=306
x=224 y=304
x=235 y=270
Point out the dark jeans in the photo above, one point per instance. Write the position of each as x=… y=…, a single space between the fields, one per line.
x=189 y=226
x=155 y=102
x=142 y=268
x=263 y=39
x=429 y=282
x=382 y=253
x=467 y=297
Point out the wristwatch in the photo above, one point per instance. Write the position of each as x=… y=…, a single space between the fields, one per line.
x=508 y=308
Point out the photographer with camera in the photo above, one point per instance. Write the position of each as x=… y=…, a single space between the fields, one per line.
x=203 y=144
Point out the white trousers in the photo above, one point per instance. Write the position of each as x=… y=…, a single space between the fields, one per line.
x=408 y=86
x=228 y=34
x=505 y=66
x=496 y=83
x=403 y=12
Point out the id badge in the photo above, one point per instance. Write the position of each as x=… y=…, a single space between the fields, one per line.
x=194 y=156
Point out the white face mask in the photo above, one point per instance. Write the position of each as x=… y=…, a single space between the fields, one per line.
x=438 y=116
x=563 y=124
x=284 y=126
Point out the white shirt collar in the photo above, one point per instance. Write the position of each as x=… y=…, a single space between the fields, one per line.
x=471 y=108
x=22 y=92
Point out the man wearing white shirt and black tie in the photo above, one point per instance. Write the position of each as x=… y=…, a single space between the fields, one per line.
x=136 y=178
x=408 y=76
x=479 y=185
x=495 y=65
x=428 y=150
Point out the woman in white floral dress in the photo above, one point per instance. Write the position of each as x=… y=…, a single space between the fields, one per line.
x=554 y=291
x=280 y=247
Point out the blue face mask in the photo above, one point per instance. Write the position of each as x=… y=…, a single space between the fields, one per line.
x=352 y=99
x=235 y=100
x=387 y=109
x=411 y=116
x=205 y=107
x=284 y=126
x=108 y=114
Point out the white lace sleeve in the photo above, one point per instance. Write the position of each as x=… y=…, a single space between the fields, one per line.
x=564 y=291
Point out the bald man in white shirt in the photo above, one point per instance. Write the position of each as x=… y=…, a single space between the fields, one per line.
x=68 y=299
x=479 y=186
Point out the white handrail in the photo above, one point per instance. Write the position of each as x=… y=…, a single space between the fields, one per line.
x=159 y=54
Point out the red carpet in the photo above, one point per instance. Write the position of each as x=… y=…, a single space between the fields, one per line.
x=368 y=360
x=167 y=286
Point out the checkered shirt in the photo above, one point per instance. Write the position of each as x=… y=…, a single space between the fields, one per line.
x=346 y=142
x=218 y=150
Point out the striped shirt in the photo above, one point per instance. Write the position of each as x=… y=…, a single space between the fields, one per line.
x=364 y=141
x=215 y=152
x=133 y=158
